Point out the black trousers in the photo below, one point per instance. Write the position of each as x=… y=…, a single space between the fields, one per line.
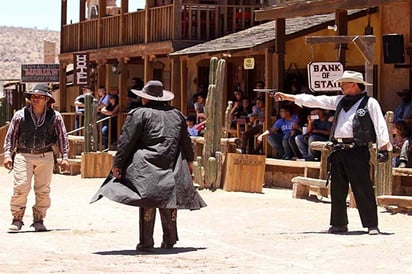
x=147 y=217
x=352 y=166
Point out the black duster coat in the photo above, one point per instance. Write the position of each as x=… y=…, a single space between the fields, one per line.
x=153 y=152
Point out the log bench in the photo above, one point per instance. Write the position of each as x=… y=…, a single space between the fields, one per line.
x=401 y=200
x=279 y=173
x=395 y=204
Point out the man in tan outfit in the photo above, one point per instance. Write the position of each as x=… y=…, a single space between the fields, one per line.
x=28 y=152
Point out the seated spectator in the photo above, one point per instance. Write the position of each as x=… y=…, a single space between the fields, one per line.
x=237 y=100
x=192 y=128
x=242 y=111
x=199 y=106
x=112 y=109
x=260 y=94
x=281 y=134
x=256 y=119
x=404 y=109
x=400 y=133
x=79 y=103
x=405 y=158
x=102 y=101
x=134 y=101
x=318 y=129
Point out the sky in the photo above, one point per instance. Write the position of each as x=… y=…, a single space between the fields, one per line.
x=44 y=14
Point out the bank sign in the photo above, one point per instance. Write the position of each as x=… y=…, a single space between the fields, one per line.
x=322 y=76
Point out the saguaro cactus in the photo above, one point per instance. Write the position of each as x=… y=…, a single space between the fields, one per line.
x=211 y=156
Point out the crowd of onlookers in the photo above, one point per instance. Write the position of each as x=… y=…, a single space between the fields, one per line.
x=290 y=136
x=295 y=128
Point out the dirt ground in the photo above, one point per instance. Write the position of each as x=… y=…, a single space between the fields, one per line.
x=238 y=232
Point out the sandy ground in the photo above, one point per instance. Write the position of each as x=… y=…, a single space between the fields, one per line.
x=237 y=233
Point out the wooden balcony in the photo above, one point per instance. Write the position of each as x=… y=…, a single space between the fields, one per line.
x=193 y=22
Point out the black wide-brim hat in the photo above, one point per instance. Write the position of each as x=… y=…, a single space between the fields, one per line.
x=40 y=89
x=153 y=90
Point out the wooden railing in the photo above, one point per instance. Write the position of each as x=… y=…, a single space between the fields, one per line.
x=134 y=25
x=161 y=23
x=198 y=22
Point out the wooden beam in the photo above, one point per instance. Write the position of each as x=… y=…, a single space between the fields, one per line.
x=364 y=48
x=305 y=8
x=338 y=39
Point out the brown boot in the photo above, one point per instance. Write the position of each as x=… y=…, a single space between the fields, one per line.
x=16 y=225
x=38 y=221
x=17 y=221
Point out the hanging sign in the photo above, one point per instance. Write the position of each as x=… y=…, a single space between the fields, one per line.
x=81 y=69
x=322 y=76
x=40 y=73
x=249 y=63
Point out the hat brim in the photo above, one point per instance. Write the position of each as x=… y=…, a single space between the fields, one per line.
x=27 y=94
x=167 y=95
x=354 y=80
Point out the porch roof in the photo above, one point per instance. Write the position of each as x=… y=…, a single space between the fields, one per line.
x=260 y=34
x=296 y=8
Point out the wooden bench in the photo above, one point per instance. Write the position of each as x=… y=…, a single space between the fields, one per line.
x=279 y=173
x=401 y=198
x=303 y=186
x=76 y=146
x=395 y=204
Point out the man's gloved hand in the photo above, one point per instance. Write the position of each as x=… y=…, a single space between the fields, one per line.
x=383 y=156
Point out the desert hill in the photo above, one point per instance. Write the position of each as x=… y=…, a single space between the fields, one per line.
x=22 y=46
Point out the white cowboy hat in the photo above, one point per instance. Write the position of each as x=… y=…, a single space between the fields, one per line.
x=40 y=89
x=153 y=90
x=352 y=76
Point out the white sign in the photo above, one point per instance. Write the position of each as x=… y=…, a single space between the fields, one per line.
x=322 y=76
x=81 y=69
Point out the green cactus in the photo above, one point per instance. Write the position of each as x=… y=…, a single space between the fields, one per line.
x=212 y=169
x=208 y=168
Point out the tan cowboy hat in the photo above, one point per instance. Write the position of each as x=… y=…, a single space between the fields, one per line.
x=153 y=90
x=40 y=89
x=352 y=76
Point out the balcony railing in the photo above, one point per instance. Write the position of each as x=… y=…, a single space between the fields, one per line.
x=196 y=22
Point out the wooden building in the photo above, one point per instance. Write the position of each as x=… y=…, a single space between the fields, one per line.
x=391 y=17
x=123 y=44
x=306 y=31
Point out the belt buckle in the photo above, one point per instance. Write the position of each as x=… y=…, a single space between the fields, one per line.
x=339 y=140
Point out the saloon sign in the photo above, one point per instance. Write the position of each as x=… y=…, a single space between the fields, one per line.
x=322 y=76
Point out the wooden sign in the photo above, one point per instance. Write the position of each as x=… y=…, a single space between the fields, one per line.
x=43 y=73
x=244 y=172
x=322 y=76
x=249 y=63
x=81 y=69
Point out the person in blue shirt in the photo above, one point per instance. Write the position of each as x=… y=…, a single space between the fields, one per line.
x=318 y=129
x=281 y=133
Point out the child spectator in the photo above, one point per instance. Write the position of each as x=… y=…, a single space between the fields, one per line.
x=191 y=126
x=400 y=133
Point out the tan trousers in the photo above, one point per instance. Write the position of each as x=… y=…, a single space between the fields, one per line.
x=25 y=167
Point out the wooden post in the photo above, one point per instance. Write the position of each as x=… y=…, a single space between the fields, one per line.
x=383 y=172
x=364 y=43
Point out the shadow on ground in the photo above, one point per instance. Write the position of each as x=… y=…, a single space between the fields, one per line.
x=157 y=251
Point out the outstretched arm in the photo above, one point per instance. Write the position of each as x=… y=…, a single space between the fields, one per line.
x=280 y=96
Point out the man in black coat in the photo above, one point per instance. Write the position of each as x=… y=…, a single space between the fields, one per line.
x=153 y=165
